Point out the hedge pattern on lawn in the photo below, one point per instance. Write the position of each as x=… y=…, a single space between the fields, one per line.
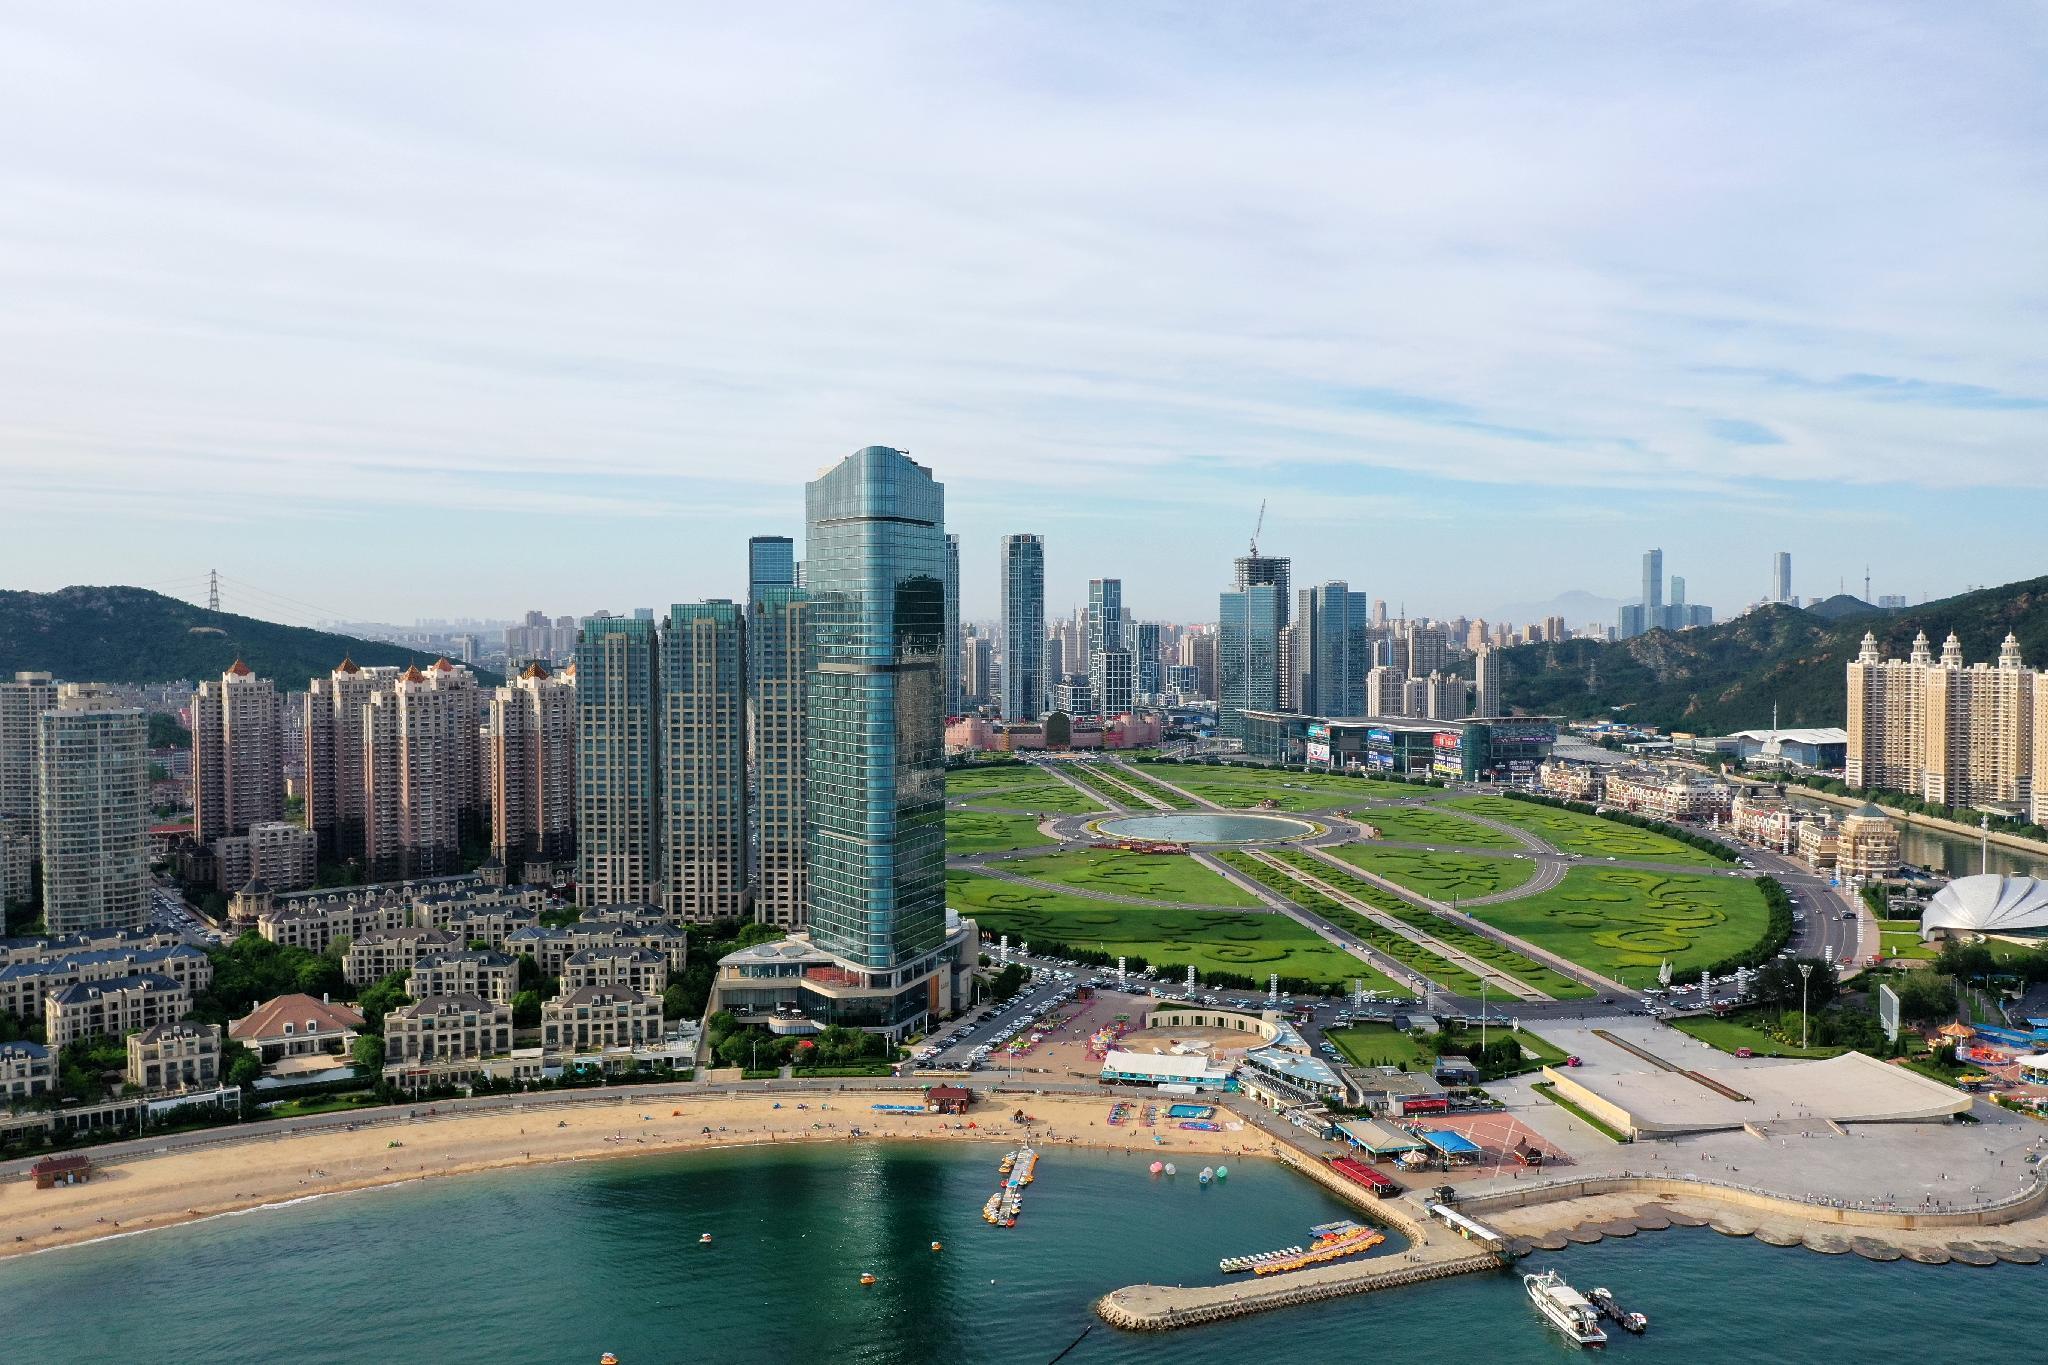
x=1247 y=787
x=1621 y=919
x=1250 y=943
x=1424 y=825
x=1440 y=876
x=975 y=831
x=1589 y=835
x=1496 y=955
x=1014 y=786
x=1154 y=876
x=1145 y=782
x=1407 y=952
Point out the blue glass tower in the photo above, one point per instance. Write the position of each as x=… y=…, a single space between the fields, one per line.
x=875 y=797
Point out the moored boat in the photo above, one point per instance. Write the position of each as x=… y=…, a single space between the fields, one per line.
x=1566 y=1309
x=1603 y=1299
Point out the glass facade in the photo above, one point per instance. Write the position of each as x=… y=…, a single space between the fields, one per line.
x=875 y=567
x=1025 y=683
x=1248 y=625
x=771 y=563
x=953 y=698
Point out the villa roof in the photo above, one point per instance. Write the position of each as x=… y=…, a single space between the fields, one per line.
x=268 y=1019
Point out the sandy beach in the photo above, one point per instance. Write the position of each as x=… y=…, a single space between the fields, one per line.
x=178 y=1187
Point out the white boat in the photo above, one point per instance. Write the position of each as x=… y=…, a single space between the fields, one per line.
x=1566 y=1308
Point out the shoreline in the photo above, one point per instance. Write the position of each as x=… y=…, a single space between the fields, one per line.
x=149 y=1192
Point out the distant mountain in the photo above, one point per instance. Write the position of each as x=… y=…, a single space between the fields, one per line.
x=132 y=635
x=1577 y=607
x=1727 y=677
x=1842 y=606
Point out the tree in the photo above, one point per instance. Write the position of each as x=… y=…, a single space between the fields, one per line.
x=1926 y=997
x=368 y=1055
x=380 y=999
x=1008 y=982
x=253 y=969
x=1778 y=982
x=526 y=1009
x=529 y=972
x=240 y=1064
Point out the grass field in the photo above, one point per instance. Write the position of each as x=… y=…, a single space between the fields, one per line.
x=1407 y=952
x=1739 y=1030
x=1524 y=969
x=1583 y=834
x=980 y=831
x=1902 y=939
x=1017 y=787
x=1145 y=782
x=1155 y=876
x=1623 y=921
x=1373 y=1044
x=1251 y=944
x=1422 y=825
x=1243 y=787
x=1440 y=876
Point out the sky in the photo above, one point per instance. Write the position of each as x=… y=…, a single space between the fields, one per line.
x=392 y=311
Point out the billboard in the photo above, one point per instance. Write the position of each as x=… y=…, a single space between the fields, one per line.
x=1378 y=736
x=1379 y=759
x=1447 y=739
x=1888 y=1012
x=1318 y=730
x=1318 y=751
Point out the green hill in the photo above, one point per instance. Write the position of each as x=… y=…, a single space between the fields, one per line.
x=132 y=635
x=1727 y=677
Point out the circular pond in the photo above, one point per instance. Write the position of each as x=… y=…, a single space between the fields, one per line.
x=1186 y=827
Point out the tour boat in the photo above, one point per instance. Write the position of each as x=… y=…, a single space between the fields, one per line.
x=866 y=1278
x=1566 y=1308
x=705 y=1240
x=607 y=1359
x=938 y=1246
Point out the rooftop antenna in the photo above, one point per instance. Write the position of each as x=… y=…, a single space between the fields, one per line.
x=213 y=589
x=1259 y=526
x=1866 y=582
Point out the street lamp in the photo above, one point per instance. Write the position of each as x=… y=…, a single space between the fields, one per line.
x=1805 y=974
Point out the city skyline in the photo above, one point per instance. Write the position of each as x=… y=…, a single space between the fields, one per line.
x=1577 y=283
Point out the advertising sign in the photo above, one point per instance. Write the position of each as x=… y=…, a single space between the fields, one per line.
x=1447 y=739
x=1378 y=736
x=1318 y=751
x=1318 y=730
x=1378 y=759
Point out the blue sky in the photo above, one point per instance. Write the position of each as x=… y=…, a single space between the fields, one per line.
x=407 y=311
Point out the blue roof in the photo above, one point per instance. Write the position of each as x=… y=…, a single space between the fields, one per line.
x=1449 y=1143
x=1295 y=1066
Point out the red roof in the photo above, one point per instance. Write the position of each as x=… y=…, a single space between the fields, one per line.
x=239 y=669
x=268 y=1019
x=413 y=674
x=534 y=670
x=441 y=665
x=348 y=665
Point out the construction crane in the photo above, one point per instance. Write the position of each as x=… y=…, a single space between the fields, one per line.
x=1258 y=527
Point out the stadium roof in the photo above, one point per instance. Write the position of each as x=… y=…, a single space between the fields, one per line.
x=1991 y=903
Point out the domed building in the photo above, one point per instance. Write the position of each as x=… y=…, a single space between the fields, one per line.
x=1867 y=844
x=1989 y=906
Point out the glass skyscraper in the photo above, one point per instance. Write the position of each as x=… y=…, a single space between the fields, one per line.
x=771 y=563
x=875 y=571
x=1024 y=681
x=1249 y=620
x=953 y=698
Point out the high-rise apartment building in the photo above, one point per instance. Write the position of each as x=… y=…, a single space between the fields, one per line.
x=979 y=668
x=1250 y=618
x=237 y=754
x=618 y=763
x=1023 y=582
x=1386 y=691
x=92 y=802
x=1198 y=651
x=953 y=699
x=1424 y=651
x=22 y=703
x=702 y=684
x=1148 y=659
x=1486 y=681
x=1781 y=576
x=336 y=798
x=1653 y=587
x=1113 y=681
x=1946 y=732
x=531 y=736
x=422 y=764
x=876 y=562
x=1105 y=614
x=778 y=657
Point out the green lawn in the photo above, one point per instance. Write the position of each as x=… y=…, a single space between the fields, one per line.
x=1372 y=1044
x=1250 y=944
x=1407 y=952
x=1155 y=876
x=1588 y=835
x=1145 y=782
x=1421 y=825
x=1902 y=939
x=1243 y=787
x=980 y=831
x=1742 y=1030
x=1622 y=922
x=1017 y=787
x=1524 y=969
x=1549 y=1092
x=1440 y=876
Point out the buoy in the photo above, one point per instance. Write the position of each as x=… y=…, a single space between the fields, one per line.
x=938 y=1246
x=1157 y=1167
x=866 y=1278
x=1222 y=1171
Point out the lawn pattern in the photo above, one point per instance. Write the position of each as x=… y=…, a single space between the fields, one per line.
x=975 y=831
x=1440 y=876
x=1589 y=835
x=1014 y=786
x=1418 y=825
x=1154 y=876
x=1500 y=957
x=1614 y=919
x=1242 y=788
x=1252 y=944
